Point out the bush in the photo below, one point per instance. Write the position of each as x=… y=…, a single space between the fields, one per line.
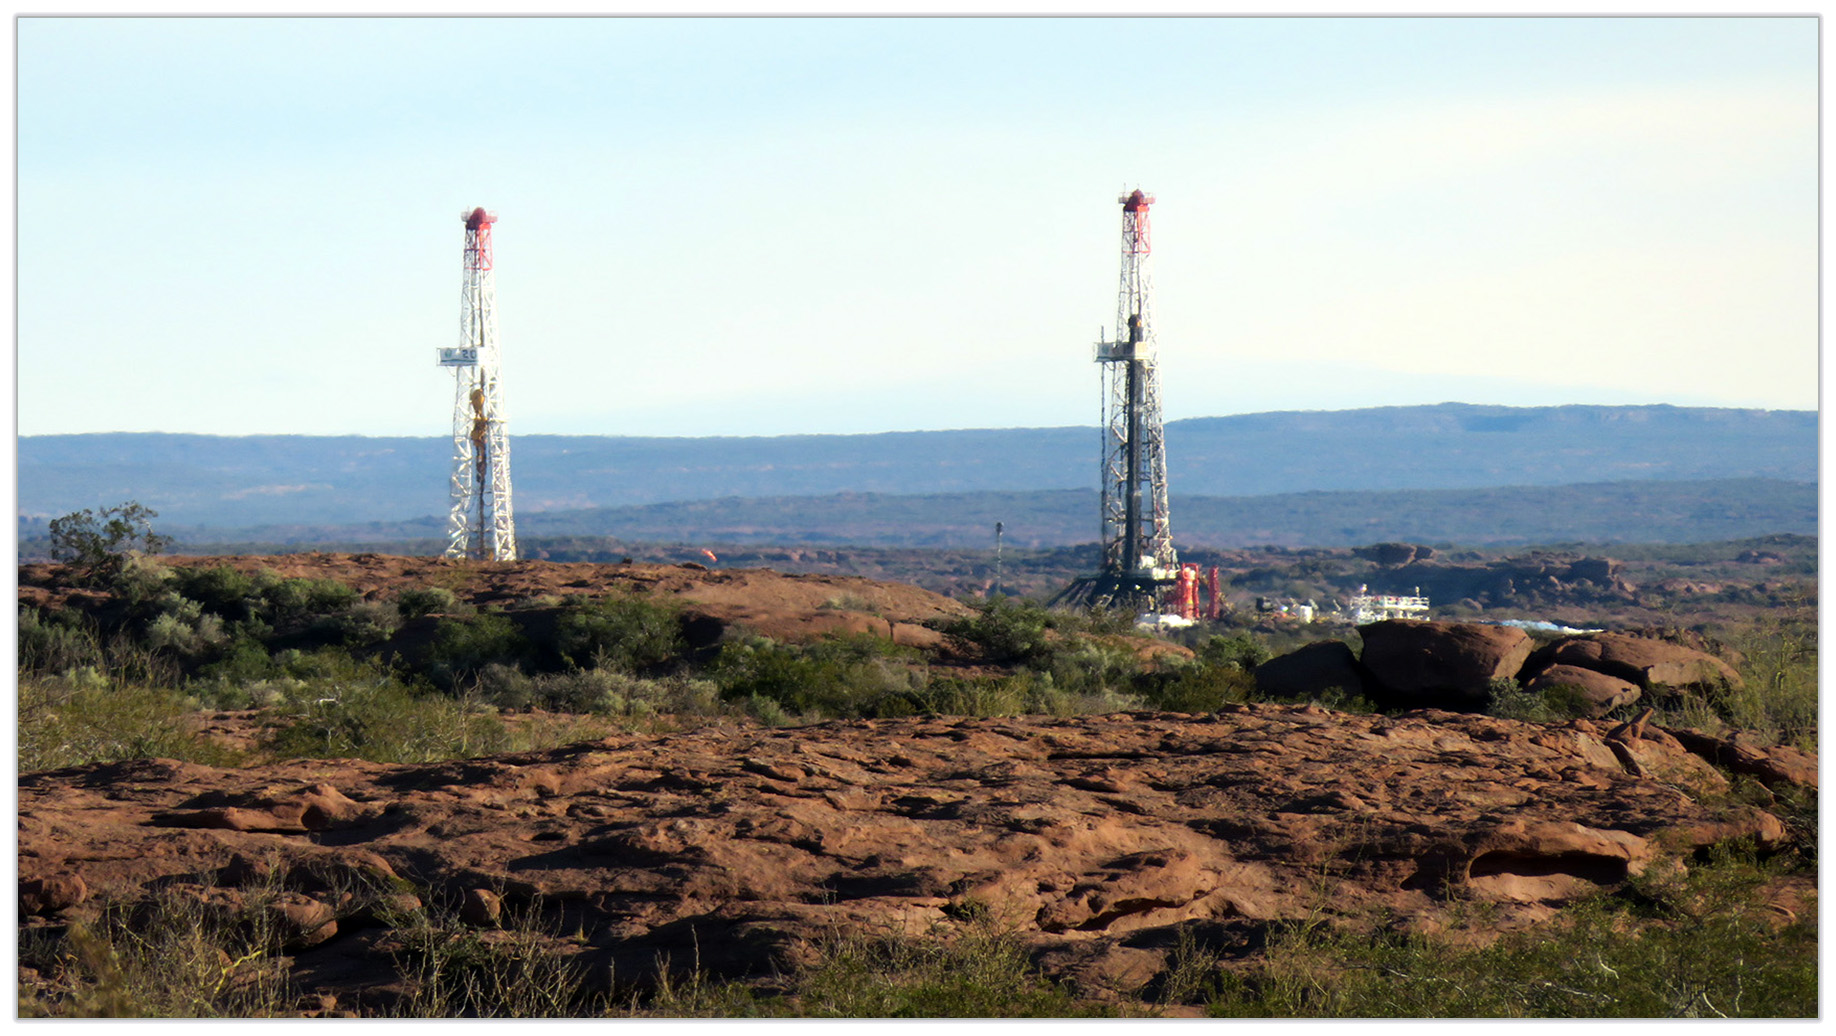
x=366 y=622
x=140 y=578
x=56 y=643
x=517 y=971
x=1779 y=668
x=843 y=677
x=1084 y=666
x=1551 y=705
x=464 y=647
x=415 y=602
x=173 y=956
x=221 y=591
x=975 y=697
x=336 y=708
x=243 y=659
x=981 y=972
x=87 y=717
x=624 y=632
x=1246 y=651
x=1196 y=687
x=1043 y=696
x=1009 y=631
x=293 y=604
x=97 y=543
x=1700 y=946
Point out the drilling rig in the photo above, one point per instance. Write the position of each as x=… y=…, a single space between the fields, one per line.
x=1139 y=562
x=481 y=525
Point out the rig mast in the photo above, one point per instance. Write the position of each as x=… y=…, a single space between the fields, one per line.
x=1139 y=562
x=481 y=524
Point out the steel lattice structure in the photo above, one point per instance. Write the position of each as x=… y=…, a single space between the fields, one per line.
x=1139 y=561
x=481 y=524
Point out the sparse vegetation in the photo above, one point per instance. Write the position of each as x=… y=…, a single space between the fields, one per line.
x=328 y=672
x=1669 y=945
x=1700 y=946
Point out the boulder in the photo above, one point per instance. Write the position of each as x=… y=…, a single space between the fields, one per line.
x=1602 y=693
x=1551 y=861
x=1772 y=766
x=1440 y=664
x=1654 y=665
x=50 y=894
x=1594 y=570
x=1311 y=670
x=301 y=921
x=481 y=908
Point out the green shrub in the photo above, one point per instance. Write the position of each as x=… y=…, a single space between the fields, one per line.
x=1558 y=704
x=175 y=955
x=518 y=970
x=1009 y=631
x=334 y=708
x=221 y=590
x=58 y=642
x=623 y=632
x=841 y=677
x=1082 y=665
x=1779 y=668
x=464 y=647
x=848 y=602
x=140 y=578
x=415 y=602
x=96 y=544
x=88 y=717
x=1043 y=696
x=974 y=697
x=1244 y=650
x=1196 y=687
x=293 y=604
x=1700 y=946
x=365 y=622
x=979 y=972
x=243 y=659
x=767 y=711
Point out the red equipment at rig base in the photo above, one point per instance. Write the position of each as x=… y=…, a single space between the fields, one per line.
x=1186 y=597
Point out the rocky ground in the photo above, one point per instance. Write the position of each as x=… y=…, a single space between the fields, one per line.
x=739 y=848
x=771 y=603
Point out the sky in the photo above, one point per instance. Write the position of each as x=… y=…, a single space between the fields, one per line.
x=767 y=226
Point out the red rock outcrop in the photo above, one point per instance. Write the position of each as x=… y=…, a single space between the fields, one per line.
x=1441 y=663
x=1603 y=693
x=1651 y=664
x=737 y=847
x=1311 y=670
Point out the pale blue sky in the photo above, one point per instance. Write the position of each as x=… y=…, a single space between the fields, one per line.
x=768 y=226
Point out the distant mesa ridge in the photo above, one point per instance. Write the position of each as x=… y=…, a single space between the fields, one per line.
x=240 y=482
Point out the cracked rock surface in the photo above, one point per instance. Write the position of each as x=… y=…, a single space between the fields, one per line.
x=740 y=847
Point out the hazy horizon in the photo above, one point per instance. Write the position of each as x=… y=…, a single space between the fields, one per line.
x=1091 y=426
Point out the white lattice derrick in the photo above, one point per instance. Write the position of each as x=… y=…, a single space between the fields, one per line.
x=480 y=524
x=1134 y=505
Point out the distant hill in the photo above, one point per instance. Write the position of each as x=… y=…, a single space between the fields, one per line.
x=1613 y=512
x=239 y=482
x=1647 y=511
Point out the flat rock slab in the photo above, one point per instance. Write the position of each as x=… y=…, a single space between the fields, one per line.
x=738 y=847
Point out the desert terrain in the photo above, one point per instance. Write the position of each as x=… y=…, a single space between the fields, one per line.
x=812 y=766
